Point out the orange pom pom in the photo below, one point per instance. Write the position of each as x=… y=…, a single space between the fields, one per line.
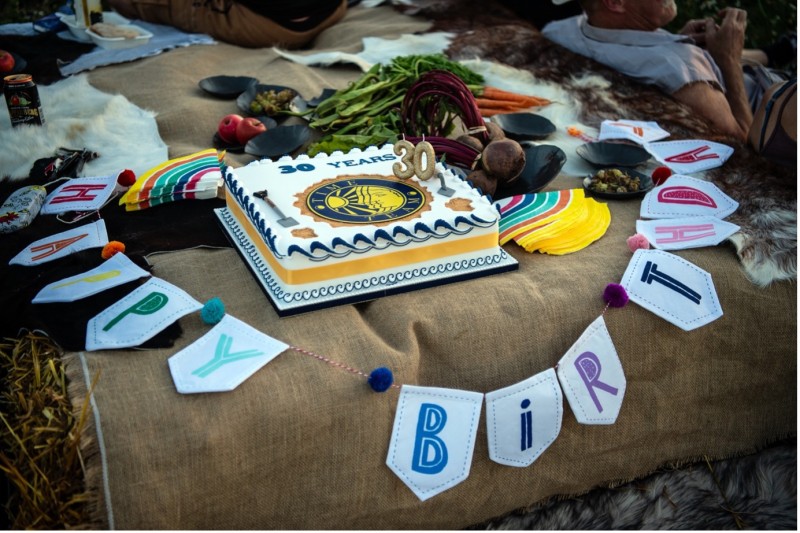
x=111 y=249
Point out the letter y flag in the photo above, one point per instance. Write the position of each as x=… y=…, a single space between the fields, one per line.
x=433 y=438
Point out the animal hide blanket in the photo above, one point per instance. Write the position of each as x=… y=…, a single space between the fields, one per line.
x=767 y=193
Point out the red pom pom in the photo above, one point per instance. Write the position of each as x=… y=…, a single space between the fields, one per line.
x=660 y=175
x=615 y=295
x=111 y=249
x=126 y=178
x=638 y=241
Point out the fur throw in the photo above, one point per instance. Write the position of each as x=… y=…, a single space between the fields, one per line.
x=767 y=193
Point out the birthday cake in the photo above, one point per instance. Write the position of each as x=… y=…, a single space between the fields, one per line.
x=343 y=228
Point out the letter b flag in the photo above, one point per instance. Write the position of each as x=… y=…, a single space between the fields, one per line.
x=433 y=438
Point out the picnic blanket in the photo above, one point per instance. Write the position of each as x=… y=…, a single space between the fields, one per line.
x=303 y=443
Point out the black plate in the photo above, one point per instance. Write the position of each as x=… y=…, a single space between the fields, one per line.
x=613 y=154
x=324 y=95
x=220 y=144
x=543 y=162
x=244 y=99
x=227 y=87
x=524 y=126
x=19 y=65
x=645 y=182
x=278 y=141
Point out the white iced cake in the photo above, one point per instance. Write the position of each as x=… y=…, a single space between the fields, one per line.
x=328 y=222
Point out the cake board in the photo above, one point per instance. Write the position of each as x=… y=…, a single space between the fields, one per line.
x=288 y=302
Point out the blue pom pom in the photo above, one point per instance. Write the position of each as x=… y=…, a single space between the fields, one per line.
x=615 y=295
x=213 y=311
x=380 y=379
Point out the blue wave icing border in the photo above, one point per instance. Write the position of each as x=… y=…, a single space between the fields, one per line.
x=318 y=251
x=273 y=286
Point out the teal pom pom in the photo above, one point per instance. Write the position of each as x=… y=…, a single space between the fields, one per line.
x=213 y=311
x=380 y=379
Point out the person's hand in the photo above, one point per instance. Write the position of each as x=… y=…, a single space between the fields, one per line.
x=725 y=41
x=696 y=29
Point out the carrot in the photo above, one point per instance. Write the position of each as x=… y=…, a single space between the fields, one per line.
x=499 y=104
x=493 y=93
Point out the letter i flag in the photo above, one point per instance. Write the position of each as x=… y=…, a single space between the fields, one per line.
x=592 y=377
x=433 y=438
x=524 y=419
x=92 y=235
x=80 y=194
x=672 y=288
x=139 y=316
x=223 y=358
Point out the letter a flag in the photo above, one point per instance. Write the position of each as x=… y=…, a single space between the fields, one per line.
x=524 y=419
x=433 y=438
x=690 y=155
x=80 y=194
x=139 y=316
x=687 y=232
x=62 y=244
x=111 y=273
x=672 y=288
x=684 y=196
x=223 y=358
x=592 y=377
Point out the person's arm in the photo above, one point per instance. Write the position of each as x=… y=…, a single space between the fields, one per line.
x=710 y=102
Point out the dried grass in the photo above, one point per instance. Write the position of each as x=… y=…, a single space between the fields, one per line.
x=40 y=437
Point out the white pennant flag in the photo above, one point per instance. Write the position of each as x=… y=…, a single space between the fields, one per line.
x=672 y=288
x=62 y=244
x=115 y=271
x=684 y=196
x=633 y=130
x=524 y=419
x=80 y=194
x=689 y=156
x=433 y=438
x=687 y=232
x=592 y=377
x=139 y=316
x=223 y=358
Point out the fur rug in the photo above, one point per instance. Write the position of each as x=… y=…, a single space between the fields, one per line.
x=79 y=116
x=757 y=491
x=767 y=193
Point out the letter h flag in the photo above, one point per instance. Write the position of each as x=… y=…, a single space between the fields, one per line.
x=433 y=438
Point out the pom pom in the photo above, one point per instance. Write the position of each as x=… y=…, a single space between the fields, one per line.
x=637 y=242
x=660 y=175
x=111 y=249
x=380 y=379
x=213 y=311
x=615 y=295
x=126 y=178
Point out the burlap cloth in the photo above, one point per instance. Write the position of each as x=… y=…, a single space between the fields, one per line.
x=302 y=444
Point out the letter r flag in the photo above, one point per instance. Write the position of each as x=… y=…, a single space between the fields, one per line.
x=433 y=438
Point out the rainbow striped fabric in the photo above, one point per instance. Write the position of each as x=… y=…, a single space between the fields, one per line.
x=195 y=176
x=554 y=222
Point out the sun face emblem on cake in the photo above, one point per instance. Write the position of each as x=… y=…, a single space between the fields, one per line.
x=366 y=199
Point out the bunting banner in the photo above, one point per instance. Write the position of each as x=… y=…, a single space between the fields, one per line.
x=523 y=420
x=195 y=176
x=689 y=156
x=433 y=438
x=686 y=232
x=139 y=316
x=672 y=288
x=553 y=222
x=80 y=194
x=684 y=196
x=114 y=271
x=62 y=244
x=633 y=130
x=223 y=358
x=591 y=376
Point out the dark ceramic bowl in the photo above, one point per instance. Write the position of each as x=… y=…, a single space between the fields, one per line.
x=246 y=98
x=278 y=141
x=524 y=126
x=542 y=164
x=613 y=154
x=227 y=87
x=645 y=184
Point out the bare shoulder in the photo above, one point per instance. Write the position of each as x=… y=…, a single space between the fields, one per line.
x=708 y=100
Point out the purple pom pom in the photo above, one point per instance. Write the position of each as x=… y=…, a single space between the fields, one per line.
x=380 y=379
x=615 y=295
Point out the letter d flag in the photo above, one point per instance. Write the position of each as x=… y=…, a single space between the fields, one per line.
x=433 y=438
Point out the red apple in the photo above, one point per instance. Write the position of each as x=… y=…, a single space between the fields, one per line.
x=6 y=62
x=249 y=128
x=227 y=127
